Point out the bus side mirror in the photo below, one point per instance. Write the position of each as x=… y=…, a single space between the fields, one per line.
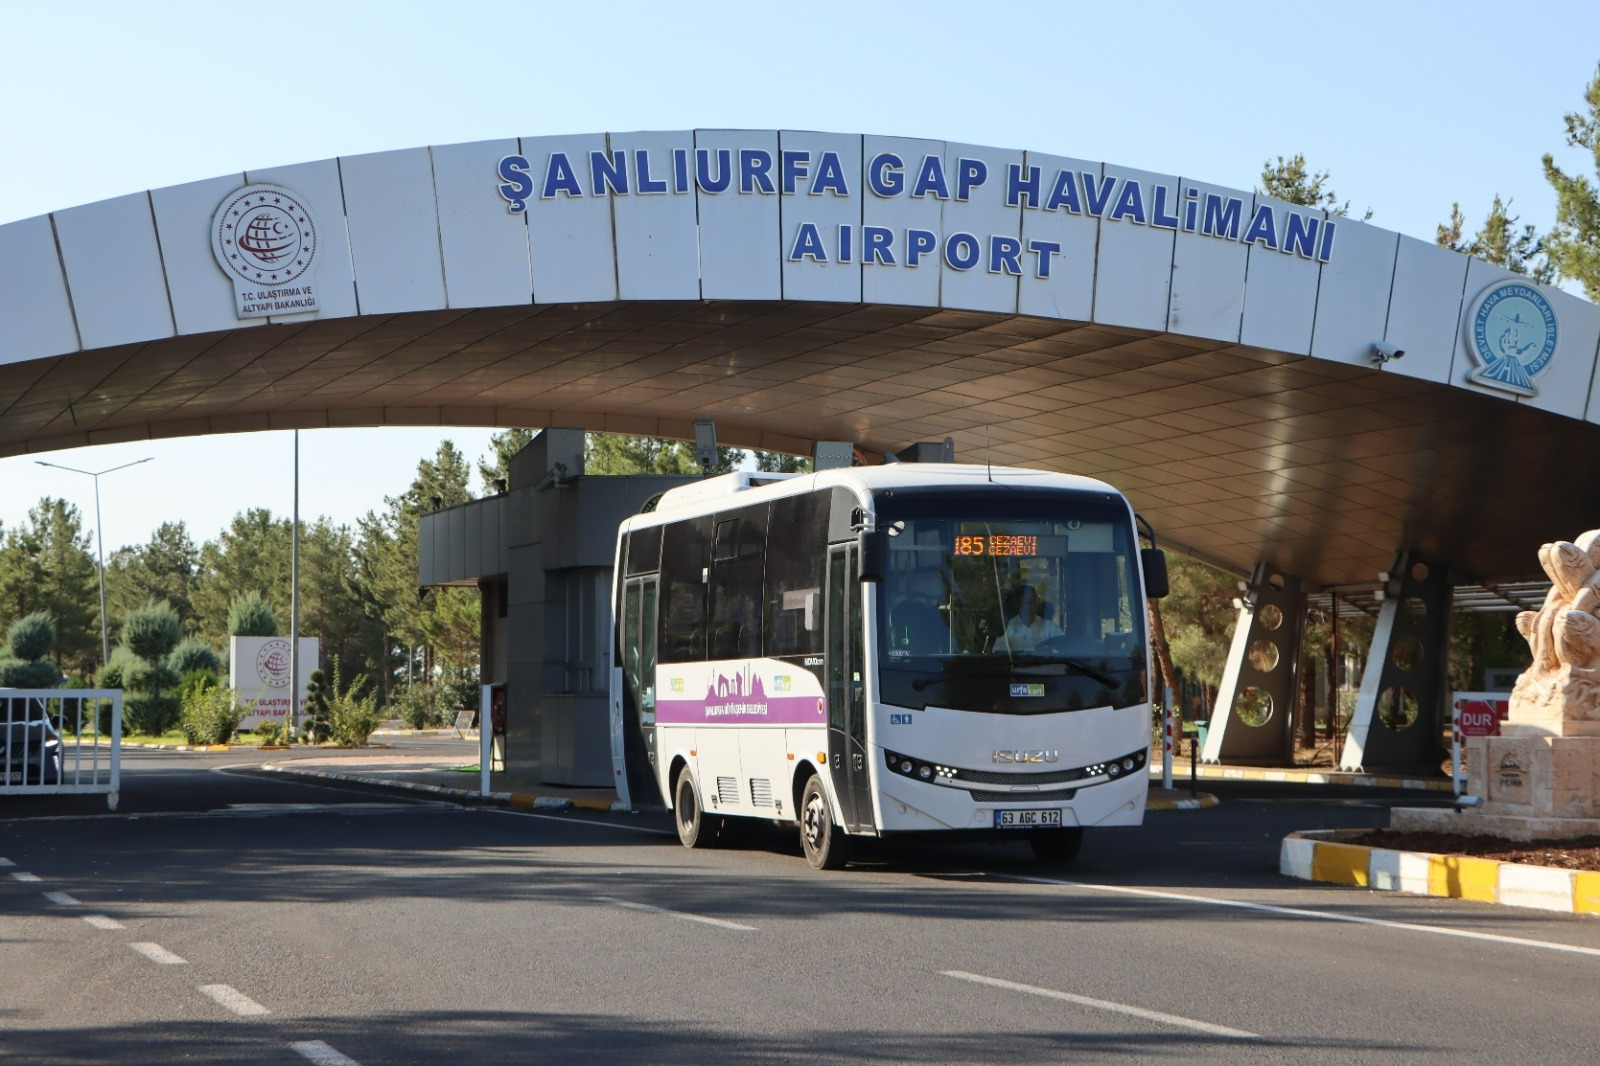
x=1154 y=561
x=874 y=556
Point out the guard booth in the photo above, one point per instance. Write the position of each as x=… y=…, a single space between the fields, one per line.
x=541 y=555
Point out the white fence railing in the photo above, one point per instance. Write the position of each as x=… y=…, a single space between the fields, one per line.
x=59 y=741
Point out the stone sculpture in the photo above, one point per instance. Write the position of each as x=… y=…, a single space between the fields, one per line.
x=1562 y=687
x=1540 y=779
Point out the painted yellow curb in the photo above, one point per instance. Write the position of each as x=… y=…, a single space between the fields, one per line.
x=1586 y=893
x=1199 y=801
x=1323 y=776
x=1325 y=855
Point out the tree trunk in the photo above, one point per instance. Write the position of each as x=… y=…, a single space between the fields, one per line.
x=1158 y=642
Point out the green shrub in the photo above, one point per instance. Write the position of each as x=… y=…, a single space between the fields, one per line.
x=316 y=722
x=193 y=654
x=251 y=616
x=32 y=636
x=114 y=673
x=138 y=675
x=352 y=718
x=152 y=631
x=152 y=713
x=29 y=673
x=210 y=714
x=270 y=732
x=423 y=706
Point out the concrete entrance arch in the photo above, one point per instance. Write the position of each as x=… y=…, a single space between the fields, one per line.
x=1230 y=361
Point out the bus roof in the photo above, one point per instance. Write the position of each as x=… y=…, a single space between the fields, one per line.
x=713 y=494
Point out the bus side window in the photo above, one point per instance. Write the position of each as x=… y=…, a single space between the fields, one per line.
x=736 y=565
x=685 y=563
x=797 y=553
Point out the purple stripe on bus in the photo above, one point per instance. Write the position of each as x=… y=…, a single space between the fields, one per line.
x=780 y=710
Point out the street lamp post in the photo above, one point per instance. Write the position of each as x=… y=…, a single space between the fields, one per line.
x=100 y=541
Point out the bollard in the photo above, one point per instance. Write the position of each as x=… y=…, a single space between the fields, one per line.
x=1166 y=738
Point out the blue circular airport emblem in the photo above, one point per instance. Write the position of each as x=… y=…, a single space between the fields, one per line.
x=1513 y=336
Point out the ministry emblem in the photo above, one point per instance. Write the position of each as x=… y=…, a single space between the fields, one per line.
x=265 y=240
x=1511 y=332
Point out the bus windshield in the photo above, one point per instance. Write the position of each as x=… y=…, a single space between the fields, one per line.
x=1010 y=601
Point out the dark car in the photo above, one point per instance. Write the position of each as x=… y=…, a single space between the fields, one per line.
x=30 y=750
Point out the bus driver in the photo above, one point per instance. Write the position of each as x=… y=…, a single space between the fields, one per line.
x=1028 y=628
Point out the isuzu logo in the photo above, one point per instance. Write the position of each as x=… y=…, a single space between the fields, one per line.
x=1031 y=755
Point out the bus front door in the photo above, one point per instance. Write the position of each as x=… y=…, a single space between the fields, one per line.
x=847 y=702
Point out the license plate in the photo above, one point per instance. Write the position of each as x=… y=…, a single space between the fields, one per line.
x=14 y=778
x=1026 y=819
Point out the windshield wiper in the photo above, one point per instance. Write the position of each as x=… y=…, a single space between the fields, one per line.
x=1040 y=669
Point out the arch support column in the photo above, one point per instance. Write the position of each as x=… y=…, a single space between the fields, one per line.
x=1399 y=714
x=1254 y=716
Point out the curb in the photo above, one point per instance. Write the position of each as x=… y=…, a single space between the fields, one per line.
x=185 y=747
x=246 y=747
x=1200 y=802
x=1316 y=777
x=1321 y=855
x=520 y=800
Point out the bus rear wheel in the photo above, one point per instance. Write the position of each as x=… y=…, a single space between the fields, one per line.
x=1056 y=846
x=696 y=828
x=826 y=846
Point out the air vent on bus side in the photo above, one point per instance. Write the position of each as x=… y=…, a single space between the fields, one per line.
x=728 y=789
x=760 y=792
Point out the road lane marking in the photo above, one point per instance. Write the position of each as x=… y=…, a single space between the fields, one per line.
x=720 y=923
x=157 y=953
x=321 y=1054
x=584 y=821
x=6 y=862
x=63 y=900
x=1106 y=1005
x=234 y=1000
x=23 y=875
x=1297 y=912
x=100 y=921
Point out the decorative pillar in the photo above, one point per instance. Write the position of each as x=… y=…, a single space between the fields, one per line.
x=1399 y=715
x=1254 y=717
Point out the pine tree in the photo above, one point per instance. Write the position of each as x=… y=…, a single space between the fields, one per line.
x=504 y=445
x=1291 y=181
x=1573 y=243
x=1499 y=241
x=614 y=453
x=46 y=565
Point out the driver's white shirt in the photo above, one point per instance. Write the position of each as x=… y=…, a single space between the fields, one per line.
x=1025 y=636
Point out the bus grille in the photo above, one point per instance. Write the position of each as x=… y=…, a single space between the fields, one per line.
x=760 y=792
x=728 y=789
x=993 y=777
x=1023 y=797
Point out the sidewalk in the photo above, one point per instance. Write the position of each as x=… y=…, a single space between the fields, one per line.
x=457 y=778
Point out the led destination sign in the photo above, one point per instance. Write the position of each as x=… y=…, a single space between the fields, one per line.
x=997 y=544
x=758 y=172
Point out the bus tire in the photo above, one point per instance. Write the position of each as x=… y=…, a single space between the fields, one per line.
x=1056 y=846
x=826 y=846
x=696 y=828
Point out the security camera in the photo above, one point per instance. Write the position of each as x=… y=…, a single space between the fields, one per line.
x=1383 y=351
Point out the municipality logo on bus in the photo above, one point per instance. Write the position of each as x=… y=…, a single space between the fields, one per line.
x=1511 y=333
x=265 y=240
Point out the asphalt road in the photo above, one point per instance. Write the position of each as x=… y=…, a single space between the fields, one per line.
x=227 y=917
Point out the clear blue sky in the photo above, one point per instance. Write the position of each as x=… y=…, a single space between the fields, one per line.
x=1409 y=105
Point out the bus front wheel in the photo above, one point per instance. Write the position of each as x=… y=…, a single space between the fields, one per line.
x=826 y=846
x=1056 y=845
x=696 y=829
